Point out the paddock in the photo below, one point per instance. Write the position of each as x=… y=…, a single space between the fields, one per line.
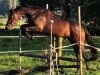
x=15 y=44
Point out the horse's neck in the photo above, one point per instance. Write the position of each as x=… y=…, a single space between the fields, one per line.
x=27 y=12
x=34 y=14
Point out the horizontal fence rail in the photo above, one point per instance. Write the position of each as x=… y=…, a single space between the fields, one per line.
x=35 y=36
x=31 y=50
x=19 y=36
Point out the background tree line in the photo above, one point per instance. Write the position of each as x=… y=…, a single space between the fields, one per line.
x=90 y=10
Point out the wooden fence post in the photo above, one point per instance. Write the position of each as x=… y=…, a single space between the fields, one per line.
x=79 y=19
x=59 y=51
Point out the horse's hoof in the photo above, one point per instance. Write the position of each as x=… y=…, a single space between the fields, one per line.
x=31 y=38
x=61 y=71
x=88 y=68
x=92 y=58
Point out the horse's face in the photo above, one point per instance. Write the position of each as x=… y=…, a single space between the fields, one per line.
x=13 y=18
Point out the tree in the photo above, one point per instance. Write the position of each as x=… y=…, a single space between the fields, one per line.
x=90 y=15
x=41 y=3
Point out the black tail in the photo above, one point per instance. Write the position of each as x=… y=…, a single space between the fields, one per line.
x=90 y=42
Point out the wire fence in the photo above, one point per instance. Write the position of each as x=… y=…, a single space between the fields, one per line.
x=13 y=44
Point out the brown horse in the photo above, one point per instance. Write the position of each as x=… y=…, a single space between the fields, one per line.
x=39 y=21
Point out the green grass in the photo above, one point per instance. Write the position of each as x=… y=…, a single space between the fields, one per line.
x=12 y=44
x=11 y=61
x=9 y=44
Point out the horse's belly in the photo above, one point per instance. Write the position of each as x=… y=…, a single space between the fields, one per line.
x=62 y=33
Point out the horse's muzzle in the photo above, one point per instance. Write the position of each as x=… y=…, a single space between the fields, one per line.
x=8 y=27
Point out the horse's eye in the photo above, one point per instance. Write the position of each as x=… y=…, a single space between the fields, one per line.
x=12 y=17
x=20 y=18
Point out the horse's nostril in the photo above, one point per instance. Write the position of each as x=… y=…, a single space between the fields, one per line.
x=6 y=28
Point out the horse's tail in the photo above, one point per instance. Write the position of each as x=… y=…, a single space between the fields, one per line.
x=89 y=40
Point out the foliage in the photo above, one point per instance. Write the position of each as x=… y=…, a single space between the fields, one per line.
x=91 y=10
x=33 y=2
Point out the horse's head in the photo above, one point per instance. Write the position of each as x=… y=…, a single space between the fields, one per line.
x=13 y=18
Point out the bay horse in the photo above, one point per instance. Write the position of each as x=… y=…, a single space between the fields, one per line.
x=39 y=21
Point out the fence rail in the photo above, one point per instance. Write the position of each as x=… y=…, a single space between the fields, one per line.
x=30 y=50
x=35 y=36
x=19 y=36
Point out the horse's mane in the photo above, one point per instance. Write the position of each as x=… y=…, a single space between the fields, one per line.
x=30 y=7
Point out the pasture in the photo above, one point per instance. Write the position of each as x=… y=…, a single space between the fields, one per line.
x=10 y=61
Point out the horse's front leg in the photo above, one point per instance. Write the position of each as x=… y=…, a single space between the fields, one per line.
x=29 y=35
x=24 y=32
x=30 y=30
x=33 y=29
x=84 y=56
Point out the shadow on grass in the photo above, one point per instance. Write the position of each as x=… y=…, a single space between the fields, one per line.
x=14 y=72
x=40 y=68
x=45 y=68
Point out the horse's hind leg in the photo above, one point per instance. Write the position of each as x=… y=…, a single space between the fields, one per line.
x=83 y=48
x=84 y=55
x=77 y=39
x=76 y=49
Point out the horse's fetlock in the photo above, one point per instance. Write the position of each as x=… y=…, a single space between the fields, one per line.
x=26 y=29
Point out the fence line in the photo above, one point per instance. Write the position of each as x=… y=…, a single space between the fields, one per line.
x=18 y=36
x=41 y=36
x=35 y=50
x=6 y=52
x=36 y=36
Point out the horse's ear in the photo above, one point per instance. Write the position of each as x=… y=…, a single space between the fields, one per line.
x=11 y=11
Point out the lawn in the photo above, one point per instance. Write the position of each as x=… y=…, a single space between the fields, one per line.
x=11 y=61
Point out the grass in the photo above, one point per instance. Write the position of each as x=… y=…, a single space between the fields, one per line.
x=11 y=61
x=9 y=44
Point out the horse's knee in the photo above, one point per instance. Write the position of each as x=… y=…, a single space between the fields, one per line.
x=23 y=30
x=23 y=27
x=30 y=28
